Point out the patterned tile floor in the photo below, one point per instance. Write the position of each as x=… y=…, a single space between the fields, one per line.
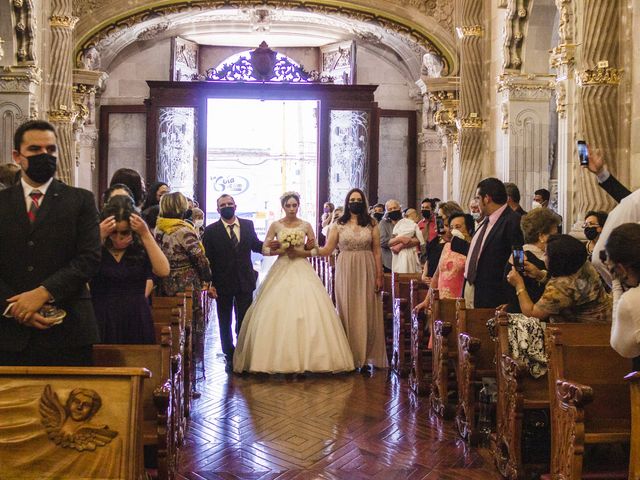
x=345 y=426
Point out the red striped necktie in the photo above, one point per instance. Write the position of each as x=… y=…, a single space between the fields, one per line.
x=35 y=195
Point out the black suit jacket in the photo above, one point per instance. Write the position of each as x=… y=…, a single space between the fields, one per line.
x=60 y=251
x=614 y=188
x=231 y=269
x=490 y=287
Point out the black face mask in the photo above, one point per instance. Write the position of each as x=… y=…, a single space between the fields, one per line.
x=591 y=233
x=227 y=212
x=41 y=167
x=395 y=215
x=356 y=207
x=378 y=216
x=426 y=214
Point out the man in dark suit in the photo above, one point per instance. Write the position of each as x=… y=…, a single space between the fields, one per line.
x=49 y=250
x=491 y=247
x=228 y=244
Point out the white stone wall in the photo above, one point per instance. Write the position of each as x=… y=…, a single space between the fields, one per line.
x=129 y=72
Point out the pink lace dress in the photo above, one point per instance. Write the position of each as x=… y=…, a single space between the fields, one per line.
x=450 y=273
x=359 y=307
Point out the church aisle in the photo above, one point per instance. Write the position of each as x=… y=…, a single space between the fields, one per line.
x=319 y=427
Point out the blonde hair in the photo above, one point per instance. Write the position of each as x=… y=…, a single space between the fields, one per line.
x=173 y=205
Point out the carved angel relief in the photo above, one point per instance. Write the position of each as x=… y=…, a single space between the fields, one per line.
x=69 y=425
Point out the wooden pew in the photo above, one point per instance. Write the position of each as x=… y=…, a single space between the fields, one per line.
x=518 y=395
x=444 y=344
x=158 y=425
x=591 y=403
x=634 y=458
x=386 y=295
x=476 y=359
x=189 y=375
x=174 y=318
x=401 y=355
x=419 y=375
x=71 y=422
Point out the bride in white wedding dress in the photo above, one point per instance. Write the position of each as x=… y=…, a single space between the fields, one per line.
x=292 y=325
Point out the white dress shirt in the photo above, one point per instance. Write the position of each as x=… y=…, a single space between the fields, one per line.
x=27 y=189
x=236 y=229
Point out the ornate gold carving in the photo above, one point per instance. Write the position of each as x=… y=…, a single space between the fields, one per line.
x=68 y=425
x=62 y=115
x=472 y=121
x=563 y=54
x=601 y=75
x=470 y=31
x=83 y=88
x=513 y=34
x=63 y=21
x=561 y=100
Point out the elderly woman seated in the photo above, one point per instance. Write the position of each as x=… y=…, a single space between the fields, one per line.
x=574 y=292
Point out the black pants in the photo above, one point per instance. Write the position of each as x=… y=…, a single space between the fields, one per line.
x=226 y=304
x=39 y=356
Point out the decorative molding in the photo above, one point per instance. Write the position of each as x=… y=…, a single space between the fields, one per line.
x=504 y=110
x=20 y=79
x=470 y=31
x=563 y=54
x=601 y=75
x=62 y=114
x=110 y=31
x=25 y=28
x=527 y=87
x=471 y=122
x=566 y=28
x=63 y=21
x=1 y=49
x=513 y=34
x=561 y=100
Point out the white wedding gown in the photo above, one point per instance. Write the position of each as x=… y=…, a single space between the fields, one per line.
x=292 y=325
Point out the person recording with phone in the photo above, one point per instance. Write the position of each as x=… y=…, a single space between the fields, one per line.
x=573 y=293
x=537 y=226
x=435 y=246
x=592 y=160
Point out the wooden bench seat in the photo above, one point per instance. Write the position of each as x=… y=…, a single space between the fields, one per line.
x=420 y=372
x=401 y=352
x=71 y=423
x=476 y=360
x=442 y=323
x=158 y=423
x=591 y=403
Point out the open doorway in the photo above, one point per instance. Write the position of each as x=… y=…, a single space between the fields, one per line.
x=258 y=149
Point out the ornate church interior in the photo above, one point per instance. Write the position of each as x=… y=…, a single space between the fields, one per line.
x=411 y=103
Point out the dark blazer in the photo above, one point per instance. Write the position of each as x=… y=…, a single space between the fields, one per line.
x=60 y=251
x=614 y=188
x=231 y=269
x=490 y=287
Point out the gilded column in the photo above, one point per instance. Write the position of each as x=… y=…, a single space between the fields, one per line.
x=61 y=112
x=470 y=120
x=598 y=78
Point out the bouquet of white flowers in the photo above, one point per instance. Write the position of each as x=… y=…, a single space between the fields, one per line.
x=290 y=237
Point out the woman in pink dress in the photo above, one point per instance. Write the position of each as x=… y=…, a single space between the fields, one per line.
x=448 y=278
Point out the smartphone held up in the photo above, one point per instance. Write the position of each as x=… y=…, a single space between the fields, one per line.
x=583 y=153
x=518 y=259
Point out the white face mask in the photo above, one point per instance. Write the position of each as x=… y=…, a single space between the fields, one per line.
x=535 y=205
x=476 y=216
x=457 y=233
x=198 y=223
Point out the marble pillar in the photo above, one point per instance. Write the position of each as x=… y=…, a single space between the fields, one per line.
x=525 y=124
